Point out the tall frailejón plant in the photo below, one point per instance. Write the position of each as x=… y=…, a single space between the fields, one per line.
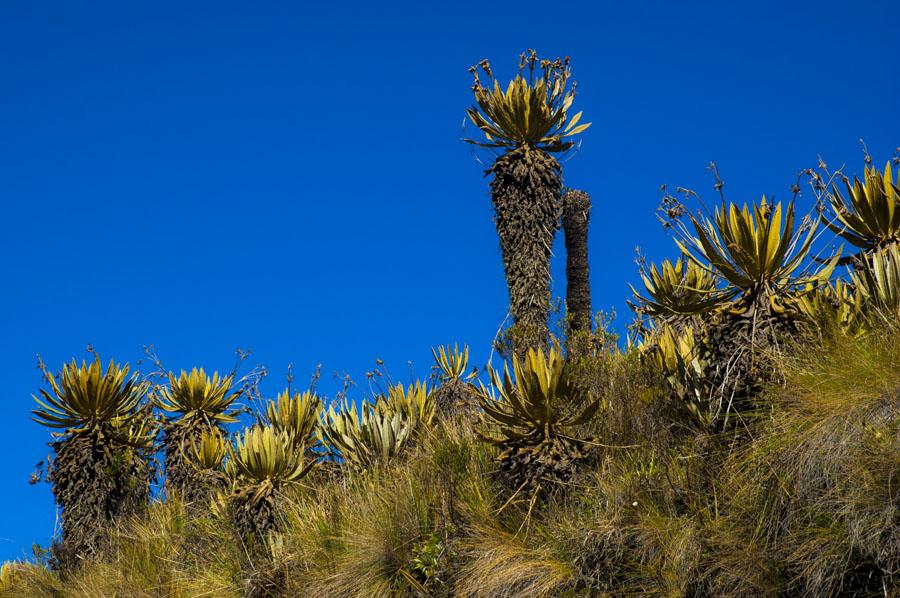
x=102 y=467
x=197 y=404
x=527 y=122
x=575 y=218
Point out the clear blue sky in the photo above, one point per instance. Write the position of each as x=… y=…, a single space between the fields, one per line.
x=204 y=176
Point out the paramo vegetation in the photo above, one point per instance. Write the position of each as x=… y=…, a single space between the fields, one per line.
x=743 y=440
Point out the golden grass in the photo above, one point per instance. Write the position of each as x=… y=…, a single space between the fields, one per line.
x=498 y=563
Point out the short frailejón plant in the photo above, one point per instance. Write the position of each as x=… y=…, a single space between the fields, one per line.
x=683 y=361
x=362 y=438
x=197 y=404
x=676 y=292
x=531 y=417
x=7 y=575
x=870 y=300
x=102 y=467
x=210 y=451
x=757 y=253
x=414 y=403
x=869 y=216
x=376 y=433
x=262 y=464
x=528 y=122
x=678 y=299
x=296 y=415
x=876 y=282
x=208 y=458
x=763 y=259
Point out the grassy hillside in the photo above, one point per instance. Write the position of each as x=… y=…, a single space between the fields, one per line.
x=800 y=499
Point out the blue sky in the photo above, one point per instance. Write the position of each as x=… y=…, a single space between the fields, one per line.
x=290 y=179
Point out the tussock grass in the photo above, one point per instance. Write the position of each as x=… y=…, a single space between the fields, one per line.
x=817 y=489
x=498 y=563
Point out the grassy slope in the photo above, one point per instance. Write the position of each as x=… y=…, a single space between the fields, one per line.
x=801 y=500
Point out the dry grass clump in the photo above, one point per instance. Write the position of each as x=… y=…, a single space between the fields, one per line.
x=817 y=490
x=160 y=553
x=390 y=530
x=499 y=563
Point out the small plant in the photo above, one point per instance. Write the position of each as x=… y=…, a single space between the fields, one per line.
x=454 y=392
x=427 y=560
